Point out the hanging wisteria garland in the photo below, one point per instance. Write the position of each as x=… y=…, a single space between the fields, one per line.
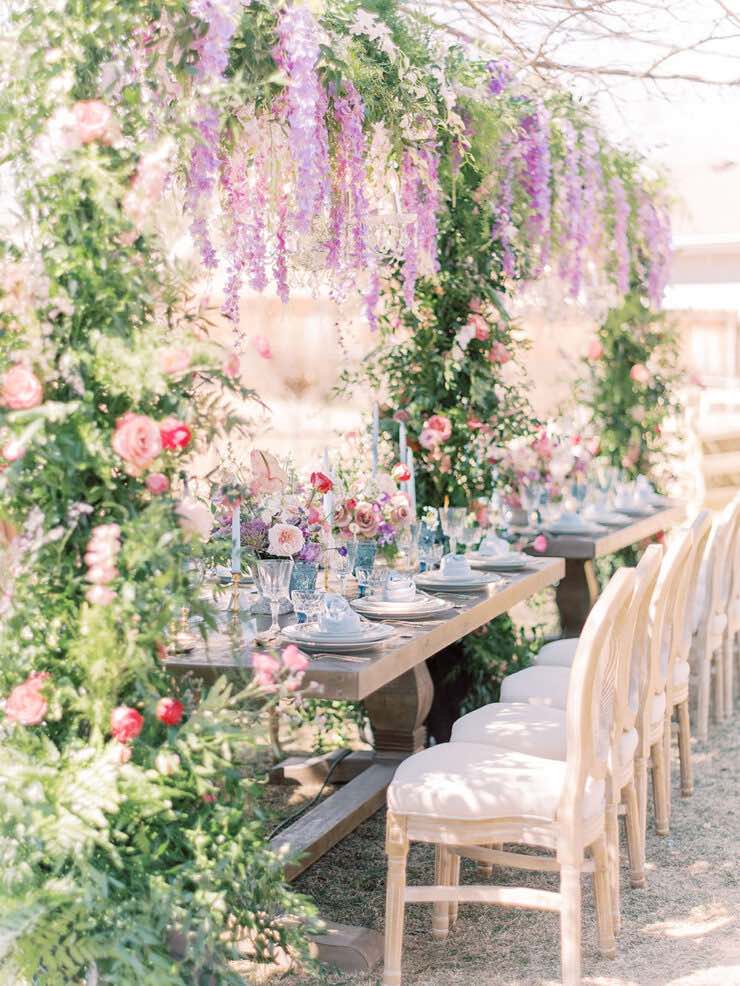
x=280 y=190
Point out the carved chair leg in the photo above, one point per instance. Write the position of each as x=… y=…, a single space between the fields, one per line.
x=641 y=783
x=729 y=661
x=668 y=760
x=660 y=807
x=442 y=875
x=684 y=749
x=612 y=848
x=485 y=870
x=635 y=841
x=602 y=894
x=454 y=882
x=570 y=923
x=397 y=848
x=704 y=675
x=719 y=684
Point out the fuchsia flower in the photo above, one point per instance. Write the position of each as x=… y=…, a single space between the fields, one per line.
x=125 y=723
x=137 y=441
x=262 y=346
x=540 y=543
x=640 y=374
x=26 y=703
x=20 y=389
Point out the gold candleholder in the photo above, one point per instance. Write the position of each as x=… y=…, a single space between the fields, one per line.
x=182 y=638
x=234 y=601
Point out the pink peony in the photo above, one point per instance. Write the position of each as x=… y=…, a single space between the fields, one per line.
x=26 y=703
x=595 y=350
x=174 y=362
x=93 y=121
x=195 y=519
x=20 y=389
x=175 y=434
x=169 y=711
x=157 y=483
x=125 y=723
x=137 y=441
x=285 y=540
x=267 y=475
x=499 y=353
x=262 y=346
x=366 y=520
x=293 y=660
x=540 y=543
x=640 y=374
x=440 y=425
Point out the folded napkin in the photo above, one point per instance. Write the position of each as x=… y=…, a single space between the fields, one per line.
x=338 y=617
x=454 y=567
x=494 y=546
x=399 y=589
x=571 y=520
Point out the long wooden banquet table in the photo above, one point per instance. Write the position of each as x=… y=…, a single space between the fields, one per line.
x=578 y=591
x=393 y=681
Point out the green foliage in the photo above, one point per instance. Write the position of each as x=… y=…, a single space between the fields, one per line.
x=629 y=415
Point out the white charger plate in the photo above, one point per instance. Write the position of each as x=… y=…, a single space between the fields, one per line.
x=302 y=635
x=434 y=581
x=420 y=608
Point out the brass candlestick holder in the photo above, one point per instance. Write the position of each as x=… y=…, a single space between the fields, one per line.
x=181 y=636
x=234 y=607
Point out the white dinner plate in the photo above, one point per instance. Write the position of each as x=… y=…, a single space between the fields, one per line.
x=583 y=530
x=420 y=608
x=436 y=582
x=305 y=633
x=513 y=562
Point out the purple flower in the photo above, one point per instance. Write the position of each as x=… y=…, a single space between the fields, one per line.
x=537 y=168
x=570 y=210
x=222 y=18
x=386 y=533
x=202 y=177
x=502 y=222
x=254 y=534
x=297 y=55
x=420 y=201
x=311 y=552
x=500 y=74
x=349 y=111
x=655 y=230
x=589 y=233
x=621 y=242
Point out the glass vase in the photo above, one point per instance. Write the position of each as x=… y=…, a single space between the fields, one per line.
x=365 y=555
x=303 y=578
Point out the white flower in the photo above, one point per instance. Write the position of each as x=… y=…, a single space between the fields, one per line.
x=284 y=540
x=167 y=762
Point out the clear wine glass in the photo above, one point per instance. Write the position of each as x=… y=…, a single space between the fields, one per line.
x=343 y=561
x=307 y=605
x=453 y=522
x=530 y=496
x=273 y=575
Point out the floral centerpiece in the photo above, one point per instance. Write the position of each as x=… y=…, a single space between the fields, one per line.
x=372 y=509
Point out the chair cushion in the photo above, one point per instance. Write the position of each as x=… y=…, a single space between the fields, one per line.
x=531 y=729
x=681 y=672
x=558 y=653
x=537 y=686
x=468 y=781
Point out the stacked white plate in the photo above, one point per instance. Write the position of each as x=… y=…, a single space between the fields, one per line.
x=582 y=529
x=310 y=637
x=512 y=561
x=439 y=583
x=420 y=608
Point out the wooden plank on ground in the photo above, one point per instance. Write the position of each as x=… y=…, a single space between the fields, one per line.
x=310 y=836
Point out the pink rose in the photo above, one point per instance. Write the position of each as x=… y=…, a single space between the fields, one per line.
x=640 y=374
x=293 y=660
x=195 y=519
x=20 y=389
x=262 y=346
x=26 y=703
x=285 y=540
x=429 y=439
x=401 y=515
x=173 y=362
x=439 y=424
x=138 y=442
x=232 y=365
x=321 y=482
x=125 y=723
x=366 y=520
x=100 y=595
x=595 y=350
x=499 y=353
x=474 y=423
x=540 y=543
x=342 y=515
x=93 y=121
x=157 y=483
x=480 y=326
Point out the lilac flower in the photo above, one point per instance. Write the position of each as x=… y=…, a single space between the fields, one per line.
x=222 y=18
x=420 y=202
x=234 y=182
x=297 y=55
x=254 y=534
x=202 y=177
x=535 y=147
x=280 y=266
x=589 y=233
x=502 y=222
x=410 y=205
x=349 y=111
x=621 y=243
x=500 y=74
x=655 y=229
x=571 y=260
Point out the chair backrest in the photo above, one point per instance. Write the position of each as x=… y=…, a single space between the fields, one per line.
x=734 y=556
x=665 y=626
x=700 y=527
x=601 y=653
x=720 y=570
x=636 y=669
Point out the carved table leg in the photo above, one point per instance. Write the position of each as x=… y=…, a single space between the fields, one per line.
x=398 y=711
x=576 y=594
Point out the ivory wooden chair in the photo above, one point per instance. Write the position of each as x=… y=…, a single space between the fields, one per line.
x=705 y=662
x=464 y=796
x=733 y=618
x=541 y=731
